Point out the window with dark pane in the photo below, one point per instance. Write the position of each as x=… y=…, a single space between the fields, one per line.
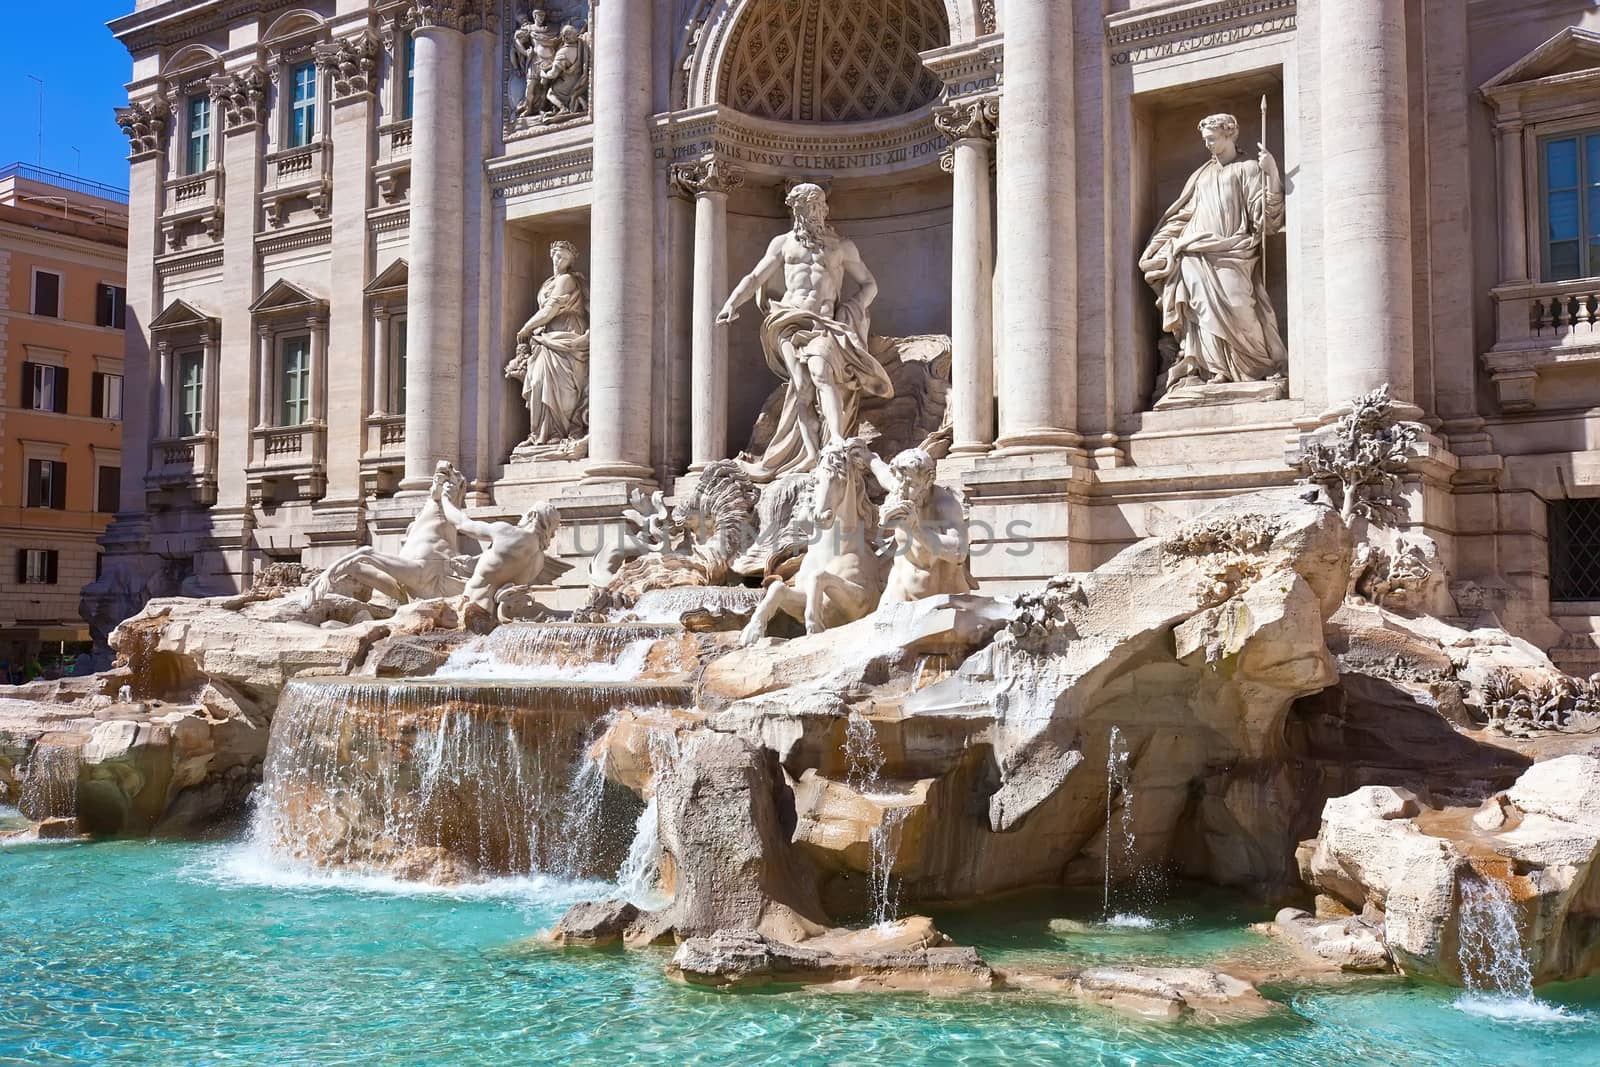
x=1570 y=173
x=47 y=294
x=1575 y=550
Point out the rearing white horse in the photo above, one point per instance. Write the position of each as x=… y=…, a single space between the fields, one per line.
x=841 y=575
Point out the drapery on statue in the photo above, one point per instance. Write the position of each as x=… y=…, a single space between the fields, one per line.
x=513 y=558
x=813 y=341
x=1205 y=264
x=552 y=358
x=929 y=523
x=429 y=563
x=554 y=66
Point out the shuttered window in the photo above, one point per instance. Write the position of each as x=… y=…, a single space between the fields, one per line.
x=38 y=566
x=47 y=294
x=47 y=484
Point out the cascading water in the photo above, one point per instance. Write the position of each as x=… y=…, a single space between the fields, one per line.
x=447 y=780
x=641 y=870
x=1124 y=874
x=864 y=763
x=568 y=652
x=50 y=784
x=1494 y=962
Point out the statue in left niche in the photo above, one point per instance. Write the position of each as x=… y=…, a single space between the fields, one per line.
x=514 y=559
x=429 y=563
x=552 y=362
x=554 y=65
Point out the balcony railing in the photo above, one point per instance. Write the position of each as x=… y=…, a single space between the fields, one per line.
x=1539 y=325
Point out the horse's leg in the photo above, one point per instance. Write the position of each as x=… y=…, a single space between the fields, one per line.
x=779 y=598
x=851 y=600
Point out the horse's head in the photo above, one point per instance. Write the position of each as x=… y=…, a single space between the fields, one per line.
x=840 y=479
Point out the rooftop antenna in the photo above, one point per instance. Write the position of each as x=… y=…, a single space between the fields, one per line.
x=76 y=151
x=40 y=81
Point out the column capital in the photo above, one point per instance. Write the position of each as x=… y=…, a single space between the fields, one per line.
x=977 y=119
x=353 y=61
x=380 y=311
x=440 y=14
x=240 y=95
x=145 y=122
x=705 y=176
x=264 y=330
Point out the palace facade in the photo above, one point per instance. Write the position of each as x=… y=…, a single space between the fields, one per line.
x=342 y=214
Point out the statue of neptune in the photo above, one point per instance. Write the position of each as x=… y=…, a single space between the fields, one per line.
x=813 y=341
x=1204 y=263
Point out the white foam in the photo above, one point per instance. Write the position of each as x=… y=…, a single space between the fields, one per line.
x=246 y=866
x=481 y=664
x=1507 y=1009
x=1124 y=920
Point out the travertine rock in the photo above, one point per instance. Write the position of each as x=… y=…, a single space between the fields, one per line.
x=1157 y=993
x=595 y=923
x=1346 y=943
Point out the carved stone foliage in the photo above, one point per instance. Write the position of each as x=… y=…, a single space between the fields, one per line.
x=442 y=14
x=705 y=176
x=240 y=96
x=1360 y=463
x=1516 y=705
x=145 y=123
x=820 y=61
x=966 y=120
x=352 y=61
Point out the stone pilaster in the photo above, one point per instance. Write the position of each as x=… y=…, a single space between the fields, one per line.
x=238 y=98
x=145 y=125
x=433 y=298
x=345 y=373
x=1366 y=181
x=622 y=239
x=970 y=125
x=1039 y=231
x=709 y=182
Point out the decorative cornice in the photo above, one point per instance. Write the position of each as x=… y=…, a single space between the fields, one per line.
x=352 y=61
x=780 y=149
x=172 y=265
x=389 y=221
x=241 y=96
x=440 y=14
x=704 y=176
x=555 y=169
x=145 y=123
x=293 y=240
x=1140 y=36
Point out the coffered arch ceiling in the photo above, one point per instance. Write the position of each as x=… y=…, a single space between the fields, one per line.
x=827 y=61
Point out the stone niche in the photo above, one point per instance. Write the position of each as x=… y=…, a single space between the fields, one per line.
x=526 y=268
x=1167 y=148
x=901 y=225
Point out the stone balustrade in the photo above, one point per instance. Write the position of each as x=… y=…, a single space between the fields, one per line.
x=1539 y=326
x=294 y=173
x=288 y=462
x=193 y=204
x=185 y=464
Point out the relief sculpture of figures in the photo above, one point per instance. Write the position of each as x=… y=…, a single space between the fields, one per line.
x=555 y=68
x=814 y=341
x=1205 y=264
x=552 y=362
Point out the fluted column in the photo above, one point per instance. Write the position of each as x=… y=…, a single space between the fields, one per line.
x=166 y=419
x=319 y=369
x=709 y=182
x=1039 y=231
x=434 y=299
x=264 y=371
x=622 y=224
x=970 y=125
x=1366 y=181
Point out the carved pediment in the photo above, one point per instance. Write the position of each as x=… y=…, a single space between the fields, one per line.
x=286 y=298
x=182 y=315
x=396 y=275
x=1572 y=51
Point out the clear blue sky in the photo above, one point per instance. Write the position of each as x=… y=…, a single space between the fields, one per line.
x=84 y=68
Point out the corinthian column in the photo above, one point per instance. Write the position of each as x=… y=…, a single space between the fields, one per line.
x=622 y=242
x=709 y=183
x=433 y=298
x=1366 y=242
x=1039 y=231
x=971 y=128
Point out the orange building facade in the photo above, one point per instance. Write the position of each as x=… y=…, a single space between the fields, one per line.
x=63 y=255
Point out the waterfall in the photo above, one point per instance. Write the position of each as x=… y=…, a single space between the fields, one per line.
x=641 y=871
x=1490 y=944
x=50 y=785
x=1119 y=783
x=569 y=652
x=444 y=780
x=864 y=763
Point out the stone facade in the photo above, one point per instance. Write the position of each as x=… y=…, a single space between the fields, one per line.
x=345 y=210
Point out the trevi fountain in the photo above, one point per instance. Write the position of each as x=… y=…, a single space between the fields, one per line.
x=794 y=766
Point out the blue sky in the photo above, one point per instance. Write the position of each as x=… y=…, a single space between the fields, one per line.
x=66 y=43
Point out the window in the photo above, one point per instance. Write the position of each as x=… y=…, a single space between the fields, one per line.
x=1570 y=171
x=191 y=393
x=111 y=306
x=199 y=157
x=37 y=566
x=408 y=97
x=47 y=293
x=294 y=381
x=107 y=488
x=47 y=484
x=303 y=108
x=397 y=335
x=44 y=387
x=1575 y=550
x=106 y=396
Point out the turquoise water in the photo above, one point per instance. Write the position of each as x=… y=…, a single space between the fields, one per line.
x=164 y=953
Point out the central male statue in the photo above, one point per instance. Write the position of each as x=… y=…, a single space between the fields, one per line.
x=812 y=340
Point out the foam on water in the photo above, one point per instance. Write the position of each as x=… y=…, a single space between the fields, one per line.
x=483 y=663
x=1507 y=1009
x=1124 y=920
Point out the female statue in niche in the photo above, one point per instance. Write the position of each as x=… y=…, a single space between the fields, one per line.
x=1205 y=265
x=552 y=360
